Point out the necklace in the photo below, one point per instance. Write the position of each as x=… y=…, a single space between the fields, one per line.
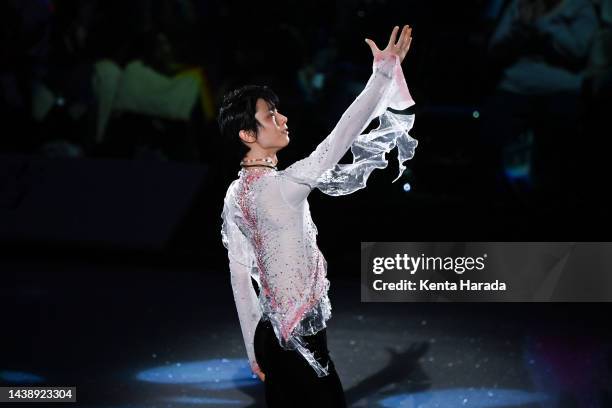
x=265 y=162
x=260 y=165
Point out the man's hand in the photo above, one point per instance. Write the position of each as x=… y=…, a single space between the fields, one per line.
x=259 y=373
x=399 y=48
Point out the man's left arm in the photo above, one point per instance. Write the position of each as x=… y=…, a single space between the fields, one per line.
x=385 y=88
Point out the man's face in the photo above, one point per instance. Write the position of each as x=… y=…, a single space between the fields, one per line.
x=273 y=132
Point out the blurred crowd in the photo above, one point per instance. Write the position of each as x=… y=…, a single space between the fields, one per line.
x=143 y=79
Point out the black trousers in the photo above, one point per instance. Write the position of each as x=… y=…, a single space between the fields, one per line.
x=290 y=380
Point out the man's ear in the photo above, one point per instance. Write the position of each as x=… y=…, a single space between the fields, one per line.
x=247 y=136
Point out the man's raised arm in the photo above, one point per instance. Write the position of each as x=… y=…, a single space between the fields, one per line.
x=385 y=88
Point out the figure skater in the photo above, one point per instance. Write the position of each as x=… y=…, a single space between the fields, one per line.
x=271 y=238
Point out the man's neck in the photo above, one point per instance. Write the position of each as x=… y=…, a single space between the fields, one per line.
x=252 y=155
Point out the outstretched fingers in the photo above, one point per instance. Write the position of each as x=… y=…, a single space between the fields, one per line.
x=393 y=37
x=405 y=37
x=372 y=45
x=395 y=46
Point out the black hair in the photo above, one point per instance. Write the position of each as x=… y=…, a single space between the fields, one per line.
x=238 y=110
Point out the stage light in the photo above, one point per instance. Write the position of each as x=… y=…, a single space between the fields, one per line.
x=204 y=401
x=464 y=397
x=518 y=172
x=20 y=377
x=209 y=374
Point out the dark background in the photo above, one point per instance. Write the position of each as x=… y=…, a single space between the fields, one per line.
x=313 y=55
x=81 y=210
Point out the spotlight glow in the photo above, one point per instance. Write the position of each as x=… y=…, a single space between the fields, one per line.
x=209 y=374
x=204 y=400
x=464 y=397
x=518 y=172
x=20 y=377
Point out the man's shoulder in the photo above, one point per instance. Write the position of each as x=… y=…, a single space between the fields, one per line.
x=231 y=189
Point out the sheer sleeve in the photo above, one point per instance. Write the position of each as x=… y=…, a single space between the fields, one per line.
x=247 y=306
x=241 y=261
x=386 y=88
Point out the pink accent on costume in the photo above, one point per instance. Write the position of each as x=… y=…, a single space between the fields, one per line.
x=267 y=226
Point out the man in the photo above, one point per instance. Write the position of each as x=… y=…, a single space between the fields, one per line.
x=270 y=235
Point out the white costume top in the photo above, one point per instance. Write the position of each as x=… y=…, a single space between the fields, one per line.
x=267 y=228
